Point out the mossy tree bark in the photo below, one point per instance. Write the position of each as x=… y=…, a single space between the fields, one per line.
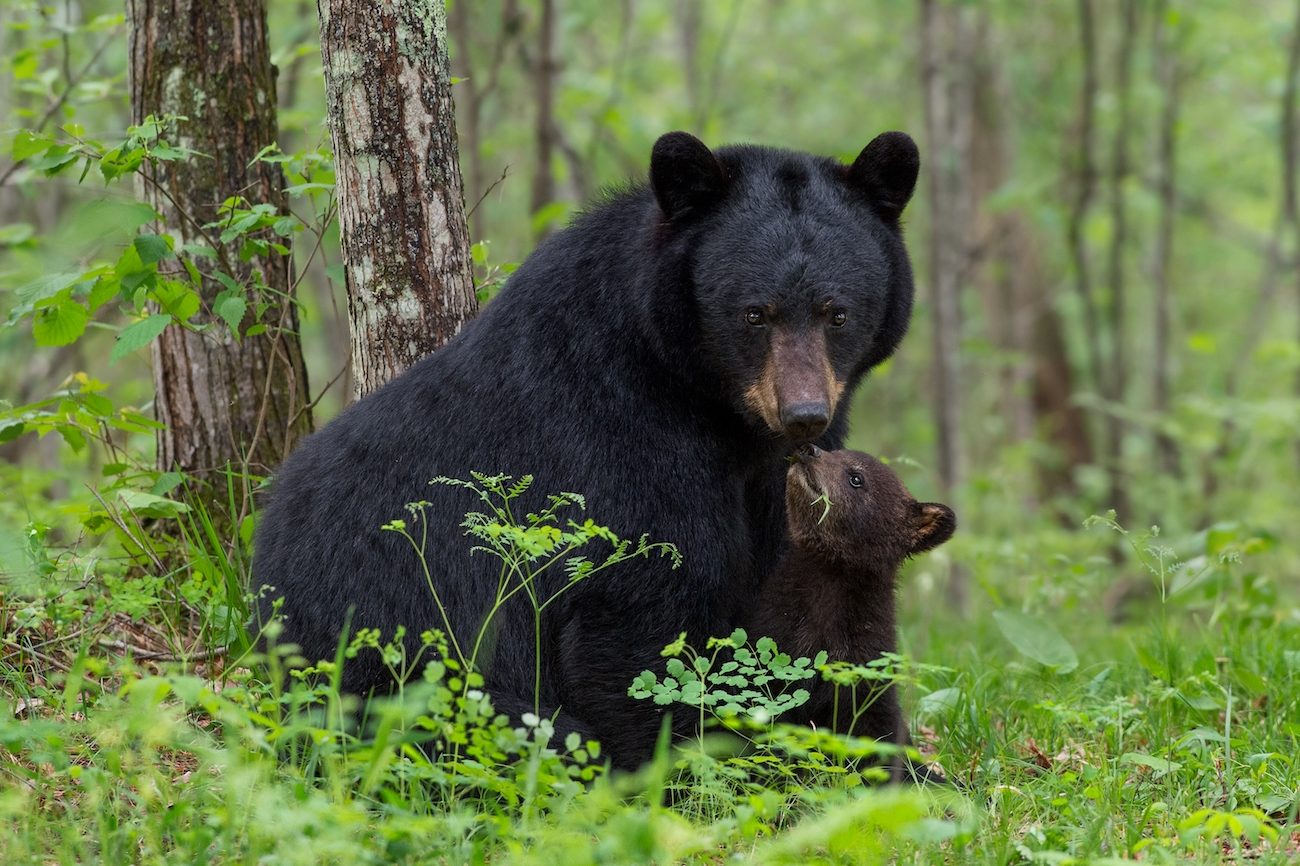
x=401 y=199
x=232 y=402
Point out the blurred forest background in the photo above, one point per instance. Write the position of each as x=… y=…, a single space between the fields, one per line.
x=1106 y=236
x=1109 y=196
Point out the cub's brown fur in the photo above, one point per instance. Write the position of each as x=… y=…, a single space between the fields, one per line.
x=834 y=590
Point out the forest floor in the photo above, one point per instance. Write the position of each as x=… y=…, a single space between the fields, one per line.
x=1089 y=707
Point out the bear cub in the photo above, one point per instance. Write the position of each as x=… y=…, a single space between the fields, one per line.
x=852 y=524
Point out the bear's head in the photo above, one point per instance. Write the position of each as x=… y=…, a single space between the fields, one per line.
x=797 y=272
x=849 y=507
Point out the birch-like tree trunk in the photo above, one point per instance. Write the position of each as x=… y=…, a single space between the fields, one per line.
x=224 y=401
x=400 y=194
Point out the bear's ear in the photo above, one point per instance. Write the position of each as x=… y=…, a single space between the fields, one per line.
x=684 y=174
x=886 y=171
x=933 y=525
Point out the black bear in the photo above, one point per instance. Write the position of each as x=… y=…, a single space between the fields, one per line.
x=852 y=524
x=661 y=356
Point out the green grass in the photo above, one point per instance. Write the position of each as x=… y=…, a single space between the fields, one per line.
x=1169 y=735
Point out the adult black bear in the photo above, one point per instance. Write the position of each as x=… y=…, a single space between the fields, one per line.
x=661 y=356
x=834 y=588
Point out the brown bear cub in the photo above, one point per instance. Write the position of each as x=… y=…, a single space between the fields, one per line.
x=852 y=524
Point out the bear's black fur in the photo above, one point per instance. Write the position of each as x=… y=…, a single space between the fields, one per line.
x=834 y=588
x=661 y=355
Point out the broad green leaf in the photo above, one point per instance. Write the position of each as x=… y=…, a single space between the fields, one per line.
x=1159 y=765
x=939 y=702
x=177 y=299
x=149 y=505
x=28 y=143
x=1036 y=639
x=44 y=288
x=152 y=248
x=231 y=306
x=15 y=233
x=60 y=324
x=139 y=335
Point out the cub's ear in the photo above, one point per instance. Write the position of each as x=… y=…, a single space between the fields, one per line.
x=933 y=525
x=685 y=174
x=886 y=171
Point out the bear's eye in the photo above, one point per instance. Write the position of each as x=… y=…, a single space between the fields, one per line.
x=755 y=316
x=838 y=318
x=855 y=480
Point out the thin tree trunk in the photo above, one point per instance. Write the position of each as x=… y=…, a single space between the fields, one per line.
x=223 y=401
x=1085 y=188
x=945 y=77
x=401 y=200
x=470 y=91
x=1116 y=385
x=1169 y=75
x=545 y=72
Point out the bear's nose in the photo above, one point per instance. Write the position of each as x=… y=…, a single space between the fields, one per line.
x=807 y=453
x=804 y=421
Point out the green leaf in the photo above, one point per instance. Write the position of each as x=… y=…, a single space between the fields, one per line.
x=15 y=233
x=149 y=505
x=103 y=291
x=46 y=287
x=139 y=335
x=939 y=702
x=1037 y=639
x=166 y=483
x=177 y=299
x=1159 y=765
x=28 y=143
x=60 y=324
x=152 y=248
x=231 y=306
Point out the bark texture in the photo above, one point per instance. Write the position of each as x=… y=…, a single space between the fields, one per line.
x=223 y=401
x=400 y=194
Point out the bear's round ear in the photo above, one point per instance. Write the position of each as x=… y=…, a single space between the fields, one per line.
x=886 y=171
x=934 y=524
x=684 y=174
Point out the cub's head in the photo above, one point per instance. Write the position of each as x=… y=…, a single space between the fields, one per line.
x=799 y=279
x=849 y=507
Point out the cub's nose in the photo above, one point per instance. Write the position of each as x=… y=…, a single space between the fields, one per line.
x=804 y=421
x=807 y=453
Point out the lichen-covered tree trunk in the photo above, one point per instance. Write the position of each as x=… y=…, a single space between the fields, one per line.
x=401 y=200
x=224 y=401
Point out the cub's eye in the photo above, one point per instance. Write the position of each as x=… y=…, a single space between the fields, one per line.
x=855 y=479
x=755 y=316
x=838 y=318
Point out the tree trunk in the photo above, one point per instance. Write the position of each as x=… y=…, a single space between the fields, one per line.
x=1116 y=385
x=1169 y=76
x=401 y=200
x=945 y=77
x=225 y=402
x=1085 y=187
x=545 y=71
x=471 y=103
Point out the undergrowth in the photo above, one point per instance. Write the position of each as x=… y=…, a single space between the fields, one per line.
x=142 y=727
